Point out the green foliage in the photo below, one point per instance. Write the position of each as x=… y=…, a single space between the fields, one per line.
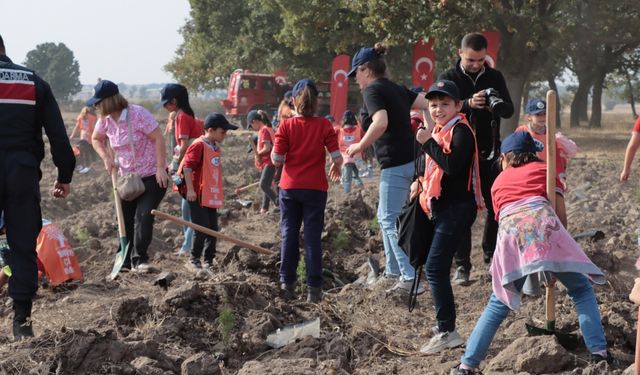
x=301 y=273
x=341 y=241
x=56 y=64
x=81 y=234
x=226 y=319
x=373 y=226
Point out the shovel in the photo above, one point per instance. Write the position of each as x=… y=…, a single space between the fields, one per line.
x=122 y=233
x=567 y=340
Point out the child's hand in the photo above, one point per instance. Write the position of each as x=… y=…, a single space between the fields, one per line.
x=414 y=190
x=354 y=149
x=191 y=195
x=635 y=292
x=423 y=134
x=624 y=176
x=334 y=172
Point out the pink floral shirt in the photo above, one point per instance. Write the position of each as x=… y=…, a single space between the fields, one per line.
x=142 y=124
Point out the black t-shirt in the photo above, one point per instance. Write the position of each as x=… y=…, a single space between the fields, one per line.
x=395 y=146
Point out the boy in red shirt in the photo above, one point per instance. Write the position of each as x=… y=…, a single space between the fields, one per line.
x=349 y=134
x=300 y=149
x=202 y=168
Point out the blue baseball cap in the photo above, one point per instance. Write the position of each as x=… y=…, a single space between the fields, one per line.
x=301 y=84
x=101 y=91
x=217 y=120
x=519 y=142
x=170 y=91
x=446 y=87
x=349 y=118
x=535 y=106
x=252 y=115
x=364 y=55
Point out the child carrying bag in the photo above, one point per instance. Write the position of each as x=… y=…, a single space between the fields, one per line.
x=130 y=185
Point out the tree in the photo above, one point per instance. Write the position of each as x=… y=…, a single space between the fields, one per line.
x=56 y=64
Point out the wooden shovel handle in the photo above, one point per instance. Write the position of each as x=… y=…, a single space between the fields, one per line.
x=246 y=187
x=551 y=147
x=211 y=232
x=550 y=302
x=122 y=232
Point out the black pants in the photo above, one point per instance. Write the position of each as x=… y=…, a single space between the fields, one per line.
x=488 y=173
x=266 y=179
x=20 y=202
x=207 y=217
x=138 y=221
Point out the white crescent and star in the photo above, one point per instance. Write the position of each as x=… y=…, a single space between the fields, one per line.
x=422 y=60
x=340 y=72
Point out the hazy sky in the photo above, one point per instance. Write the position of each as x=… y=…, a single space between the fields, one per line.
x=120 y=40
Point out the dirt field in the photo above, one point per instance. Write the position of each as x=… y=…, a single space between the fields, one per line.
x=218 y=324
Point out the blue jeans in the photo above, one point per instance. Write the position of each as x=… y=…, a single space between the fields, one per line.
x=298 y=206
x=394 y=191
x=349 y=173
x=581 y=293
x=448 y=222
x=188 y=231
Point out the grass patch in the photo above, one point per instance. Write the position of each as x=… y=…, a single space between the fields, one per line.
x=226 y=320
x=373 y=226
x=301 y=273
x=341 y=242
x=81 y=234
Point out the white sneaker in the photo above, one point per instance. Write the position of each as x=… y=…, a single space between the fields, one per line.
x=442 y=341
x=461 y=277
x=405 y=286
x=143 y=267
x=84 y=170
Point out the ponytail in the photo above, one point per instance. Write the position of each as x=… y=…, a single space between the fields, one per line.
x=263 y=118
x=306 y=102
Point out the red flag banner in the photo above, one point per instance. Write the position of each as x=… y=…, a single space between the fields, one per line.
x=339 y=85
x=281 y=76
x=424 y=61
x=493 y=38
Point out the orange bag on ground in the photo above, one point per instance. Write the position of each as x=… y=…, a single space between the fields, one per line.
x=57 y=256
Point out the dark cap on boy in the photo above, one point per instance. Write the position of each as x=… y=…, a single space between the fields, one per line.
x=217 y=120
x=445 y=87
x=535 y=106
x=520 y=142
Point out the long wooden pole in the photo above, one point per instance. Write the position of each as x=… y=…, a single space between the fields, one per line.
x=246 y=187
x=636 y=370
x=550 y=300
x=211 y=232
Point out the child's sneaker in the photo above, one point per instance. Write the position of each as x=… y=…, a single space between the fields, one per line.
x=461 y=277
x=193 y=266
x=442 y=341
x=405 y=287
x=460 y=371
x=597 y=357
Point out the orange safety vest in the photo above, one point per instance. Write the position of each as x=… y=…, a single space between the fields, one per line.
x=212 y=191
x=58 y=258
x=347 y=137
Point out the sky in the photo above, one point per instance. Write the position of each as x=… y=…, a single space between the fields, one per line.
x=121 y=40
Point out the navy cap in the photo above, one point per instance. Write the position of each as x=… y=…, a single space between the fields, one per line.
x=445 y=87
x=519 y=142
x=535 y=106
x=330 y=118
x=349 y=118
x=301 y=84
x=217 y=120
x=252 y=115
x=364 y=55
x=288 y=94
x=417 y=89
x=101 y=91
x=171 y=91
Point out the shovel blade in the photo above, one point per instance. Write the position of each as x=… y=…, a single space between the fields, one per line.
x=569 y=341
x=120 y=256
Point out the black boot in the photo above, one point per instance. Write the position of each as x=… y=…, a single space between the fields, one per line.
x=315 y=294
x=289 y=291
x=22 y=319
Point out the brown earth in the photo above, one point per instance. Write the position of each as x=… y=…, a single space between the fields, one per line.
x=218 y=324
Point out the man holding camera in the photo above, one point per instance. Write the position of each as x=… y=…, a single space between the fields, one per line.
x=486 y=99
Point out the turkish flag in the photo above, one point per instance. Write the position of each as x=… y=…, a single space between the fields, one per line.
x=281 y=76
x=339 y=85
x=493 y=39
x=424 y=61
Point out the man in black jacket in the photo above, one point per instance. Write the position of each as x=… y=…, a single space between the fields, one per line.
x=484 y=108
x=26 y=106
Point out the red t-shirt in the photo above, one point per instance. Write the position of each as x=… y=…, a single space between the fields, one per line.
x=636 y=126
x=186 y=127
x=264 y=136
x=300 y=144
x=513 y=184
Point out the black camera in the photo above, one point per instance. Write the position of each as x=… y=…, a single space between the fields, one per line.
x=493 y=100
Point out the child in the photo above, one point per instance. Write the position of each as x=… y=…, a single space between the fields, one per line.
x=532 y=240
x=202 y=168
x=566 y=149
x=85 y=122
x=175 y=99
x=451 y=194
x=259 y=121
x=300 y=149
x=349 y=134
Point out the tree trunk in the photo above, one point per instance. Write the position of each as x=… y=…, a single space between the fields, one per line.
x=554 y=87
x=579 y=102
x=515 y=84
x=632 y=99
x=596 y=100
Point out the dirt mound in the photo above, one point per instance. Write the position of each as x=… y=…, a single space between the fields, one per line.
x=218 y=324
